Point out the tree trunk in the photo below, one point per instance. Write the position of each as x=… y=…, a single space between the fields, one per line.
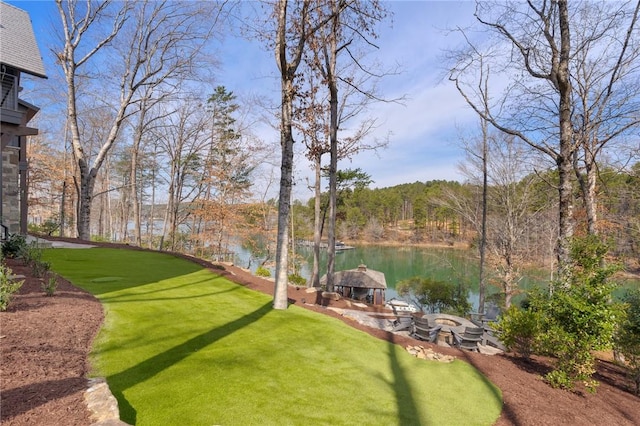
x=133 y=175
x=317 y=225
x=565 y=157
x=87 y=182
x=280 y=296
x=587 y=182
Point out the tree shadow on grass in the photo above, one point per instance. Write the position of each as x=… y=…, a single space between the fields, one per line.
x=131 y=297
x=147 y=369
x=408 y=413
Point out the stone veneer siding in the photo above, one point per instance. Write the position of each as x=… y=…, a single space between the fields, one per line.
x=10 y=190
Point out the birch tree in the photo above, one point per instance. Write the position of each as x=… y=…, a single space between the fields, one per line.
x=163 y=39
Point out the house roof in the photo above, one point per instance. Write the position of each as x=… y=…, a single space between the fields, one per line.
x=361 y=277
x=18 y=47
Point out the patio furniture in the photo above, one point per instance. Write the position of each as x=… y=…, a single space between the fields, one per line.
x=483 y=319
x=469 y=339
x=402 y=322
x=423 y=330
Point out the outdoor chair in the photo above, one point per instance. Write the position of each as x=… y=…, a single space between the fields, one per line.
x=402 y=322
x=469 y=339
x=423 y=330
x=484 y=319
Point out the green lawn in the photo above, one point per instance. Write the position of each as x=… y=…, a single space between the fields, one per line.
x=183 y=346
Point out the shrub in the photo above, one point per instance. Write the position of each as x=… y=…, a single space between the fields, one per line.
x=296 y=279
x=7 y=287
x=48 y=227
x=518 y=330
x=40 y=268
x=261 y=271
x=579 y=317
x=30 y=254
x=49 y=286
x=627 y=338
x=13 y=246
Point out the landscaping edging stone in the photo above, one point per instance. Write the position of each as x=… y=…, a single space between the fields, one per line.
x=102 y=404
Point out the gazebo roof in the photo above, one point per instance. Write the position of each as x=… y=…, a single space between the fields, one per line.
x=361 y=277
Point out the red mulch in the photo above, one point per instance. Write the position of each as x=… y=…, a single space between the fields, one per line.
x=44 y=343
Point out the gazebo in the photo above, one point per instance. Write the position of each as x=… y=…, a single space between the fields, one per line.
x=360 y=284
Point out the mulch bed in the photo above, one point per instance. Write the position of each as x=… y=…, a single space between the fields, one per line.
x=45 y=341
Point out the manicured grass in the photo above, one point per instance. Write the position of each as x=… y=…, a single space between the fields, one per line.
x=183 y=346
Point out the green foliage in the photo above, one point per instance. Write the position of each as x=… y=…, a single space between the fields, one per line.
x=40 y=268
x=569 y=323
x=50 y=285
x=627 y=338
x=105 y=239
x=13 y=246
x=296 y=279
x=261 y=271
x=31 y=255
x=518 y=330
x=436 y=296
x=579 y=316
x=8 y=287
x=48 y=227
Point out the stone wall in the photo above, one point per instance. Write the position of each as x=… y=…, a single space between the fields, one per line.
x=10 y=190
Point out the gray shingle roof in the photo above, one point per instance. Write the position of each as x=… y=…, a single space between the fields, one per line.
x=358 y=278
x=18 y=47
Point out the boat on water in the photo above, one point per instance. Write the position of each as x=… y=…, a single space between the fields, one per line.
x=342 y=246
x=400 y=306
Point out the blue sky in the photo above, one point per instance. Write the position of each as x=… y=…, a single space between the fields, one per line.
x=424 y=130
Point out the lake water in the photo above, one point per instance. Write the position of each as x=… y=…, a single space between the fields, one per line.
x=400 y=263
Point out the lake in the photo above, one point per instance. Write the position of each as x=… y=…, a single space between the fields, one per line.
x=403 y=262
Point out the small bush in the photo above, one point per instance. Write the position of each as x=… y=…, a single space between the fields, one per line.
x=7 y=287
x=296 y=279
x=518 y=330
x=261 y=271
x=30 y=254
x=48 y=227
x=627 y=338
x=40 y=268
x=579 y=317
x=49 y=286
x=13 y=246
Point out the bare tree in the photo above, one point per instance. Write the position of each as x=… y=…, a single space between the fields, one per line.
x=505 y=191
x=182 y=140
x=606 y=77
x=510 y=193
x=573 y=87
x=313 y=122
x=293 y=28
x=352 y=23
x=537 y=105
x=163 y=41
